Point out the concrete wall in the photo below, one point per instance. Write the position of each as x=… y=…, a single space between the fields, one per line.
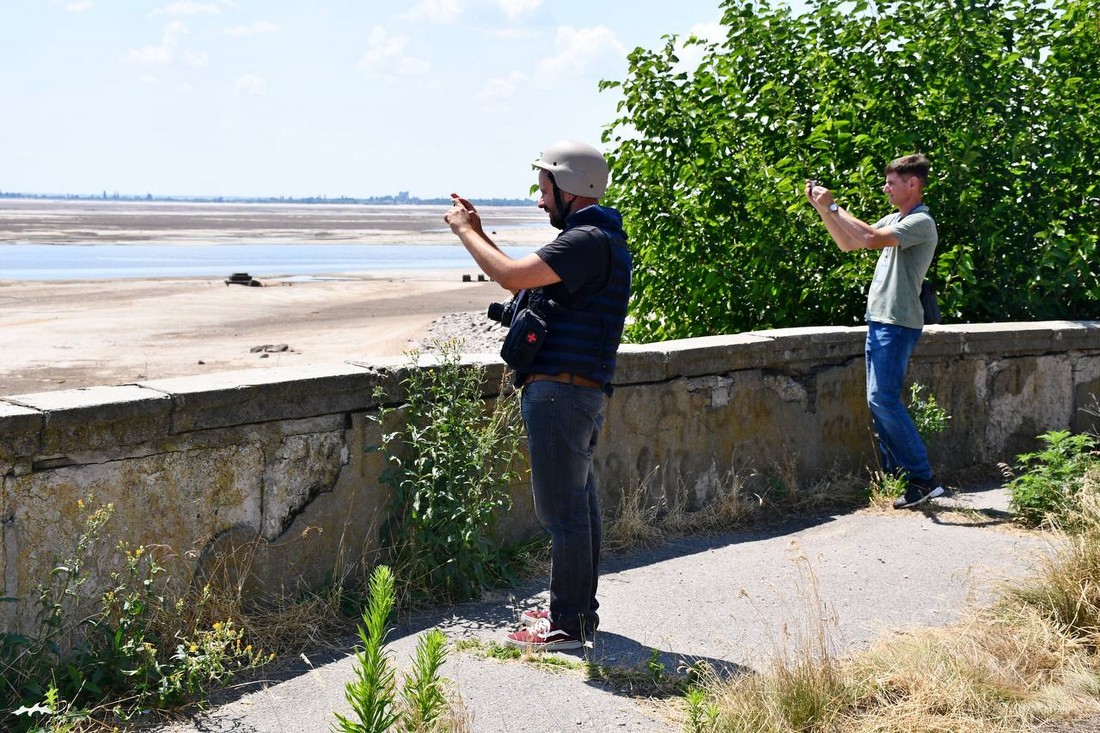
x=284 y=462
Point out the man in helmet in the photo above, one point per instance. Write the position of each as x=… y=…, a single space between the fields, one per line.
x=579 y=284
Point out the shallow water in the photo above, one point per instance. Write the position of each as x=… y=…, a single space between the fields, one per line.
x=114 y=261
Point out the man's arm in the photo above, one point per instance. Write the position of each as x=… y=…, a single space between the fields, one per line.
x=528 y=271
x=847 y=231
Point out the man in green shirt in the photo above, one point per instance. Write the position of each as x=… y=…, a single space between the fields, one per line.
x=907 y=241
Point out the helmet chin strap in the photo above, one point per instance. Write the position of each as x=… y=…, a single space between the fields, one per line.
x=559 y=204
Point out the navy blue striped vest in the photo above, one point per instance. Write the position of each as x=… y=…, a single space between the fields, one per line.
x=584 y=339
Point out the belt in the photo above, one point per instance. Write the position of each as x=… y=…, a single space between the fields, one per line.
x=564 y=378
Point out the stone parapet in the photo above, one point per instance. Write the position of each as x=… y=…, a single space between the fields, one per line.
x=285 y=462
x=255 y=396
x=92 y=419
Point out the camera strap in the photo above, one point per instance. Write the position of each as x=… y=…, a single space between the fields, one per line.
x=520 y=300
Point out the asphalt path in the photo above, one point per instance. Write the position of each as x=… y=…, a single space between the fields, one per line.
x=737 y=601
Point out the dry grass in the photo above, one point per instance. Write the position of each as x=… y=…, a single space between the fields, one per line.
x=1067 y=588
x=1031 y=658
x=990 y=674
x=645 y=520
x=647 y=517
x=283 y=621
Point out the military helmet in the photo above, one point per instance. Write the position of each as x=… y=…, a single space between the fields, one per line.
x=578 y=169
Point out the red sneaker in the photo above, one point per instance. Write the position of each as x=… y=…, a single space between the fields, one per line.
x=532 y=616
x=543 y=636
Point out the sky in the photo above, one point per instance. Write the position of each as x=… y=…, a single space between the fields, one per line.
x=302 y=98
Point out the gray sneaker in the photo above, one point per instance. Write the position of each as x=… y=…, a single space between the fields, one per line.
x=918 y=492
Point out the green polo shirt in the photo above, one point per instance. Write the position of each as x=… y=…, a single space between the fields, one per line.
x=894 y=294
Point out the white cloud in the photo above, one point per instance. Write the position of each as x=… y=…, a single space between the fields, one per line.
x=151 y=55
x=72 y=6
x=196 y=59
x=188 y=8
x=173 y=32
x=381 y=46
x=410 y=66
x=251 y=85
x=257 y=28
x=515 y=8
x=514 y=33
x=578 y=50
x=165 y=51
x=169 y=50
x=502 y=87
x=386 y=56
x=435 y=11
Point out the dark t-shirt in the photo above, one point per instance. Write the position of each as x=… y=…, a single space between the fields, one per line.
x=582 y=259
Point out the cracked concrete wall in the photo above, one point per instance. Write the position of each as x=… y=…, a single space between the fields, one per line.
x=271 y=481
x=302 y=467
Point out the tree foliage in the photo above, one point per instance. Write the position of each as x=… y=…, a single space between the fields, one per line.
x=710 y=162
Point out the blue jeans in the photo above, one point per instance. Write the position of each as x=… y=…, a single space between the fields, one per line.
x=563 y=424
x=900 y=446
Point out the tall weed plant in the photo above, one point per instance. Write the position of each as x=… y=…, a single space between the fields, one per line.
x=930 y=419
x=450 y=466
x=422 y=704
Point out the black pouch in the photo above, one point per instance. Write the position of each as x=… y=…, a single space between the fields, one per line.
x=525 y=338
x=929 y=304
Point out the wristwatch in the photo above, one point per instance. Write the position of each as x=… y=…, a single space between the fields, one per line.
x=833 y=207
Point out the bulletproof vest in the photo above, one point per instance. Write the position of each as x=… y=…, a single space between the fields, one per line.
x=584 y=339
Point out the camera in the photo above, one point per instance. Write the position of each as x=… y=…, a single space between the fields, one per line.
x=526 y=328
x=502 y=312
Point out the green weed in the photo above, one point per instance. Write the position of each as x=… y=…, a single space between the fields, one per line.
x=1046 y=490
x=885 y=488
x=450 y=467
x=928 y=416
x=135 y=650
x=422 y=704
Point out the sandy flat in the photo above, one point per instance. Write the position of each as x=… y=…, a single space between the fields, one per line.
x=71 y=334
x=41 y=221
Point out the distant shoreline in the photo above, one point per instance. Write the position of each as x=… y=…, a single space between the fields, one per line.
x=81 y=221
x=390 y=200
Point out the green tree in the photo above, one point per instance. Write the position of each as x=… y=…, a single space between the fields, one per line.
x=710 y=162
